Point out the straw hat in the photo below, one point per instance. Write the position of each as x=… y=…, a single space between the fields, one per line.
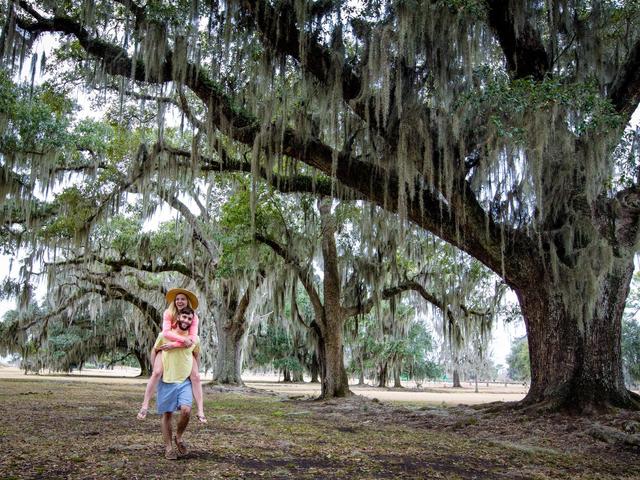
x=171 y=296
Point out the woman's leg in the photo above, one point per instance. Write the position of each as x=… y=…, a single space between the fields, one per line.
x=156 y=375
x=196 y=385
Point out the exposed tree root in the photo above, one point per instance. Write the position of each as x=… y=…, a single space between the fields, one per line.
x=324 y=397
x=563 y=404
x=216 y=381
x=497 y=407
x=613 y=436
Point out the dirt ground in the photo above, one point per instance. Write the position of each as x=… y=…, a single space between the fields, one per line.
x=430 y=393
x=79 y=428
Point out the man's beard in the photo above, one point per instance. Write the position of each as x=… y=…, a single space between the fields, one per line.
x=183 y=326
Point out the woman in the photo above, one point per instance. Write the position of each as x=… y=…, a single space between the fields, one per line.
x=178 y=298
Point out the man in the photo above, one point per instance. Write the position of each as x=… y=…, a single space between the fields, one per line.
x=174 y=390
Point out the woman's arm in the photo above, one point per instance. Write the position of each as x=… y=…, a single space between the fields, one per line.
x=193 y=329
x=167 y=325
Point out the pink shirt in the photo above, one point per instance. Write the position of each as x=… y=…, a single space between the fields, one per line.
x=168 y=320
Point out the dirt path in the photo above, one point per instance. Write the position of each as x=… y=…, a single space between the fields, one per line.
x=432 y=393
x=442 y=395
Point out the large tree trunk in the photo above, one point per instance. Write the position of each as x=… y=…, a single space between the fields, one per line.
x=396 y=377
x=314 y=369
x=382 y=375
x=231 y=326
x=144 y=361
x=335 y=382
x=360 y=368
x=229 y=358
x=456 y=379
x=575 y=354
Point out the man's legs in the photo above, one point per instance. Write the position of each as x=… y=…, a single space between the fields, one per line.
x=170 y=396
x=183 y=421
x=166 y=434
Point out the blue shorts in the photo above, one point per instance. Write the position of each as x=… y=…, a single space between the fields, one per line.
x=173 y=395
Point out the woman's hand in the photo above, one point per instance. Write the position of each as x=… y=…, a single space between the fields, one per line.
x=187 y=342
x=169 y=346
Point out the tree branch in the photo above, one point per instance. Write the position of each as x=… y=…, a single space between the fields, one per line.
x=286 y=184
x=279 y=30
x=118 y=264
x=427 y=208
x=304 y=273
x=191 y=219
x=522 y=45
x=625 y=90
x=390 y=292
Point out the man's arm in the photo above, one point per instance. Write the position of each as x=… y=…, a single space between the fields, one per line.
x=196 y=351
x=185 y=342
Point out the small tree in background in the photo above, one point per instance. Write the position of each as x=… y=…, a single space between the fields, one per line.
x=272 y=346
x=631 y=350
x=518 y=360
x=630 y=343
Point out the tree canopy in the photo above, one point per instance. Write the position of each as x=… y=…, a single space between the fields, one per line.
x=500 y=126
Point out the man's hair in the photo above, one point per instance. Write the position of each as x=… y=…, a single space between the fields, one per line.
x=186 y=311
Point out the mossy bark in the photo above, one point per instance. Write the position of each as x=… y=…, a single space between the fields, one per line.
x=576 y=363
x=314 y=369
x=383 y=375
x=335 y=382
x=144 y=361
x=231 y=328
x=456 y=379
x=229 y=359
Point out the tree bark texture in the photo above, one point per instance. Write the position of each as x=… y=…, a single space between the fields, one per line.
x=335 y=382
x=229 y=358
x=314 y=369
x=396 y=377
x=576 y=363
x=144 y=361
x=231 y=326
x=383 y=372
x=456 y=379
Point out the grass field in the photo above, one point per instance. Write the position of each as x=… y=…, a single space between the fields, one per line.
x=71 y=428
